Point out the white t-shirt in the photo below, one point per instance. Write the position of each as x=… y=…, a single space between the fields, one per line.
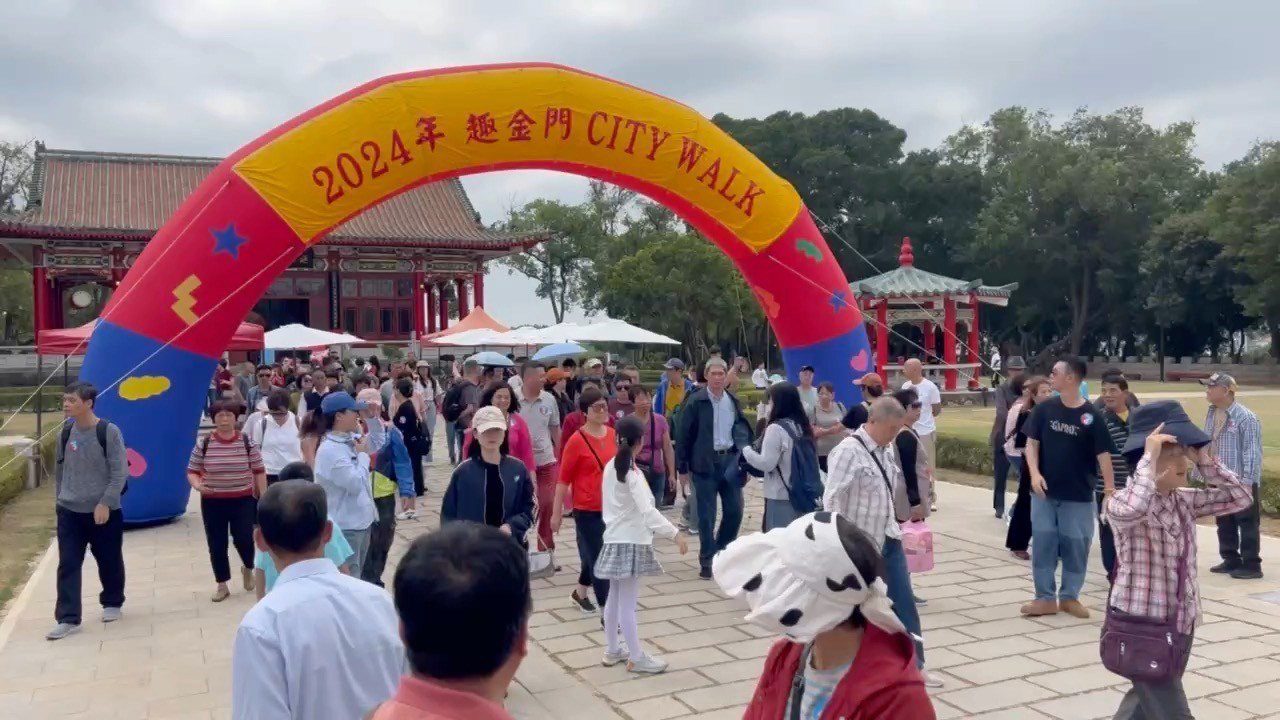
x=760 y=378
x=929 y=396
x=279 y=445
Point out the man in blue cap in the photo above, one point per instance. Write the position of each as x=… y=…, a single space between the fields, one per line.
x=342 y=469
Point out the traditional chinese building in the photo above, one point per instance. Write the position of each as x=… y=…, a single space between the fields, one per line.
x=387 y=273
x=920 y=309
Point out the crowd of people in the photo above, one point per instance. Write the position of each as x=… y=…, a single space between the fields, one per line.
x=306 y=472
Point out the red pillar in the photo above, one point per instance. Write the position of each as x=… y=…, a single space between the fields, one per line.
x=431 y=309
x=464 y=309
x=444 y=309
x=927 y=327
x=974 y=347
x=39 y=295
x=477 y=286
x=882 y=336
x=419 y=308
x=949 y=342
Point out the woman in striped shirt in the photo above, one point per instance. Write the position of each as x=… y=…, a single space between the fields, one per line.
x=227 y=470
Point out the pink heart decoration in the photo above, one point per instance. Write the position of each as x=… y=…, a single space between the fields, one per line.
x=137 y=463
x=859 y=362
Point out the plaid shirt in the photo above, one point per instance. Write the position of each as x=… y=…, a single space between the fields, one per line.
x=1152 y=529
x=856 y=489
x=1240 y=442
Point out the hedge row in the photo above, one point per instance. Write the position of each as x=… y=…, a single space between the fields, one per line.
x=974 y=456
x=12 y=398
x=13 y=477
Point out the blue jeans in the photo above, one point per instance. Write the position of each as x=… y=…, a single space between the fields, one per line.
x=706 y=489
x=898 y=579
x=1060 y=530
x=778 y=514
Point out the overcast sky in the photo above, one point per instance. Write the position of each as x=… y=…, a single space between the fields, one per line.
x=206 y=76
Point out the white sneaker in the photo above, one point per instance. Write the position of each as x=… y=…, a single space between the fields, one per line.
x=931 y=680
x=611 y=659
x=110 y=614
x=408 y=515
x=647 y=665
x=61 y=630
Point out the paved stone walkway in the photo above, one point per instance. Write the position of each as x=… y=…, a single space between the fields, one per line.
x=170 y=656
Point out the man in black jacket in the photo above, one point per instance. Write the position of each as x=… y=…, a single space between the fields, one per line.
x=712 y=429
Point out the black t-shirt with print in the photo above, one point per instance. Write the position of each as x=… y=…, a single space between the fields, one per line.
x=1070 y=441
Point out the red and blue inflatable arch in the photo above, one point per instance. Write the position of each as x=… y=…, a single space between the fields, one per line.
x=173 y=314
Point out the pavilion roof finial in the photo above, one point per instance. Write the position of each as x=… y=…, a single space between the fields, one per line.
x=906 y=257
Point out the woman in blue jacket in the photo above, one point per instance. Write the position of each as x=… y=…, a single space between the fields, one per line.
x=490 y=486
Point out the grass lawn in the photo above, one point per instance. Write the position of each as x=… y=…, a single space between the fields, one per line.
x=26 y=527
x=974 y=423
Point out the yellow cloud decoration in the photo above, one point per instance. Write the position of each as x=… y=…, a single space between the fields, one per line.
x=141 y=388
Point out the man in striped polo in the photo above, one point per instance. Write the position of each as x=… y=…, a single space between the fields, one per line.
x=1115 y=401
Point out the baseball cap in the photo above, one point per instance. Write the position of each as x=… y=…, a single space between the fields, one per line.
x=869 y=379
x=1220 y=379
x=674 y=364
x=593 y=363
x=488 y=418
x=555 y=375
x=336 y=402
x=807 y=368
x=1016 y=363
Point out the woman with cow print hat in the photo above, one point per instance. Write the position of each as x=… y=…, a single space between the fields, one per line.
x=844 y=653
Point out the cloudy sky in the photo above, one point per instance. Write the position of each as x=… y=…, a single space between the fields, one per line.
x=206 y=76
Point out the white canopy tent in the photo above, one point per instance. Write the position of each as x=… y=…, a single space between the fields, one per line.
x=301 y=337
x=607 y=331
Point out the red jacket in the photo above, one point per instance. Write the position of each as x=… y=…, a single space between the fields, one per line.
x=882 y=684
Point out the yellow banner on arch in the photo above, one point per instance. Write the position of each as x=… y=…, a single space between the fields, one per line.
x=336 y=164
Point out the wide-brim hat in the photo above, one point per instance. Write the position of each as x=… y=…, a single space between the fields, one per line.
x=1016 y=363
x=1143 y=421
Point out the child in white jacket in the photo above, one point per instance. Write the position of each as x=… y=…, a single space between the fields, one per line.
x=631 y=519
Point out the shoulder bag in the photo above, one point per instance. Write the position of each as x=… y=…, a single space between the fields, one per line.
x=1145 y=649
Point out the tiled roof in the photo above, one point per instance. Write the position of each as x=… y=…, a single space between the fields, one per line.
x=93 y=195
x=907 y=280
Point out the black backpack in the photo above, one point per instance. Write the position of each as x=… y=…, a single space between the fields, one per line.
x=453 y=403
x=100 y=430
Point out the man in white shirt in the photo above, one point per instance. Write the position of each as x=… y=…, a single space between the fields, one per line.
x=321 y=644
x=926 y=427
x=864 y=474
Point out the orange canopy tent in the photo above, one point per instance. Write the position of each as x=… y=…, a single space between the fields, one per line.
x=478 y=319
x=75 y=341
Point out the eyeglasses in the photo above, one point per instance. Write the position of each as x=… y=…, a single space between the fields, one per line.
x=602 y=407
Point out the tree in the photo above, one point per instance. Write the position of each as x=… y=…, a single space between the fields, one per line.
x=1244 y=216
x=1070 y=209
x=16 y=163
x=1190 y=286
x=562 y=264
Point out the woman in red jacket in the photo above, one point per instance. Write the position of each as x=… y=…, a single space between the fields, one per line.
x=845 y=654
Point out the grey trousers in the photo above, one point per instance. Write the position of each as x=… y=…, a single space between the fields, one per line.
x=1145 y=701
x=359 y=542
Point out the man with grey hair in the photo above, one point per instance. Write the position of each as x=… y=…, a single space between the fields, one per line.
x=864 y=473
x=711 y=431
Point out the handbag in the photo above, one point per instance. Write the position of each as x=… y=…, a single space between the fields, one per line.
x=1145 y=649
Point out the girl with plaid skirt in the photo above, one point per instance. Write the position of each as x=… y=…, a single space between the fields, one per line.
x=631 y=519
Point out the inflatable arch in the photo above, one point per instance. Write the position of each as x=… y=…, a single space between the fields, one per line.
x=160 y=337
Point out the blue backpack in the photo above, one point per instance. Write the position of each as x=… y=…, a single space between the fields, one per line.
x=805 y=490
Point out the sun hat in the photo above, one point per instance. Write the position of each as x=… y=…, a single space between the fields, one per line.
x=800 y=581
x=370 y=397
x=1144 y=419
x=488 y=418
x=593 y=363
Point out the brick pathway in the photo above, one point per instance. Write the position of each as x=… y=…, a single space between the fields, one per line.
x=170 y=656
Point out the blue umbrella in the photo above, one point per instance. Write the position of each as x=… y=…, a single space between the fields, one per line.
x=559 y=350
x=489 y=358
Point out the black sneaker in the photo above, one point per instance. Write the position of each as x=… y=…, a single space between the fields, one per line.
x=1243 y=573
x=705 y=574
x=584 y=603
x=1224 y=567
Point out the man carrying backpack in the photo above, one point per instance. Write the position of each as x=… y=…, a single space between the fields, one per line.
x=460 y=404
x=89 y=480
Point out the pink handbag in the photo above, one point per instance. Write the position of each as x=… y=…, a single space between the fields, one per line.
x=917 y=543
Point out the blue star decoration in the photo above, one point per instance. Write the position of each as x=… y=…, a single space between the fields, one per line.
x=838 y=300
x=228 y=240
